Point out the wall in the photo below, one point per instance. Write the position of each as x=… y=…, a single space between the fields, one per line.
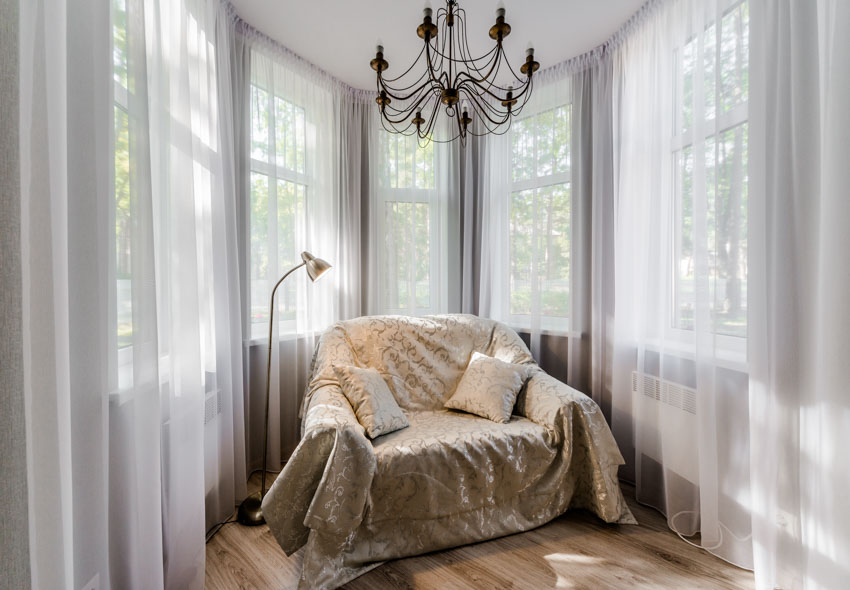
x=14 y=532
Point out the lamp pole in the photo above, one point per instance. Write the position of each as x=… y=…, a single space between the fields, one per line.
x=250 y=511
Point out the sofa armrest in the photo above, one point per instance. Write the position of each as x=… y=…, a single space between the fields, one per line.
x=325 y=483
x=586 y=442
x=329 y=408
x=544 y=399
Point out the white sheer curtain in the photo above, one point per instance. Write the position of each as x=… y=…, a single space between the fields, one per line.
x=680 y=407
x=134 y=400
x=535 y=254
x=303 y=193
x=412 y=223
x=64 y=87
x=798 y=341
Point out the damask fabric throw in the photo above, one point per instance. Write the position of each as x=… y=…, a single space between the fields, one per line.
x=449 y=478
x=489 y=388
x=371 y=399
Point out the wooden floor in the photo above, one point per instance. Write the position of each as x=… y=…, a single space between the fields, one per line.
x=575 y=551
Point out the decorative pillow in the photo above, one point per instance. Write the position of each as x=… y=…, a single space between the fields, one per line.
x=489 y=388
x=373 y=402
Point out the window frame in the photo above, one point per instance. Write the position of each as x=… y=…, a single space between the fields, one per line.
x=274 y=173
x=549 y=324
x=416 y=196
x=730 y=349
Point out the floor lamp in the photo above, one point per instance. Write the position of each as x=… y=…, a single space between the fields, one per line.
x=250 y=510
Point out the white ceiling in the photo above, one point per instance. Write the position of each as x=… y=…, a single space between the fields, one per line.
x=339 y=35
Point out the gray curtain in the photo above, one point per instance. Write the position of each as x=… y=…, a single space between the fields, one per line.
x=593 y=231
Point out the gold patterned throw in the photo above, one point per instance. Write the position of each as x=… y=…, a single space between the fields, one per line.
x=449 y=478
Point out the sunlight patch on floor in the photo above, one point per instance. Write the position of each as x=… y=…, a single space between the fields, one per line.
x=563 y=564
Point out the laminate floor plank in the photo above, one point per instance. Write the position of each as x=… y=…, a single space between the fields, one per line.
x=575 y=551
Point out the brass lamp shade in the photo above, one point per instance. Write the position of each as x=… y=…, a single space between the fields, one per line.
x=316 y=267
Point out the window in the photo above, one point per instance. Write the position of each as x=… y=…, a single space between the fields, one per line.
x=279 y=199
x=539 y=219
x=710 y=148
x=407 y=189
x=122 y=210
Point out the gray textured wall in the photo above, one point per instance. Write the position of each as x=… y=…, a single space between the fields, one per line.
x=14 y=533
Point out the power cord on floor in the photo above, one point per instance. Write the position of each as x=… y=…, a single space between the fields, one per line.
x=218 y=527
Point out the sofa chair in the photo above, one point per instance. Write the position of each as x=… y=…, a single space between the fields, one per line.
x=449 y=478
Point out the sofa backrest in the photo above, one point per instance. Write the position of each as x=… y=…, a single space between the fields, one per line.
x=421 y=358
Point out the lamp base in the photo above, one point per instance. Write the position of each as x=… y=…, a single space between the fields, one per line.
x=250 y=511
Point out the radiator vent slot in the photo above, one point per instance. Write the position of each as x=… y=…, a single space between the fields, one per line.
x=212 y=406
x=667 y=392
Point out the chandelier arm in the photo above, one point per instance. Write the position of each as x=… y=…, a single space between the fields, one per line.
x=502 y=131
x=405 y=113
x=493 y=67
x=402 y=98
x=487 y=55
x=526 y=93
x=411 y=107
x=430 y=67
x=481 y=107
x=515 y=74
x=483 y=90
x=476 y=101
x=394 y=130
x=472 y=61
x=418 y=57
x=403 y=88
x=432 y=119
x=481 y=101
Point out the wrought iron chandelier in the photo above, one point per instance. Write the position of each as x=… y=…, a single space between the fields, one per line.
x=453 y=81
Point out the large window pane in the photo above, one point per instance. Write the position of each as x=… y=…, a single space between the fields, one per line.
x=119 y=42
x=260 y=128
x=728 y=248
x=408 y=254
x=685 y=261
x=291 y=199
x=561 y=145
x=734 y=57
x=522 y=217
x=539 y=218
x=123 y=229
x=259 y=230
x=553 y=249
x=522 y=149
x=290 y=136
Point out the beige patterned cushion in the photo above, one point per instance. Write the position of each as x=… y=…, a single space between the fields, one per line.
x=373 y=402
x=489 y=388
